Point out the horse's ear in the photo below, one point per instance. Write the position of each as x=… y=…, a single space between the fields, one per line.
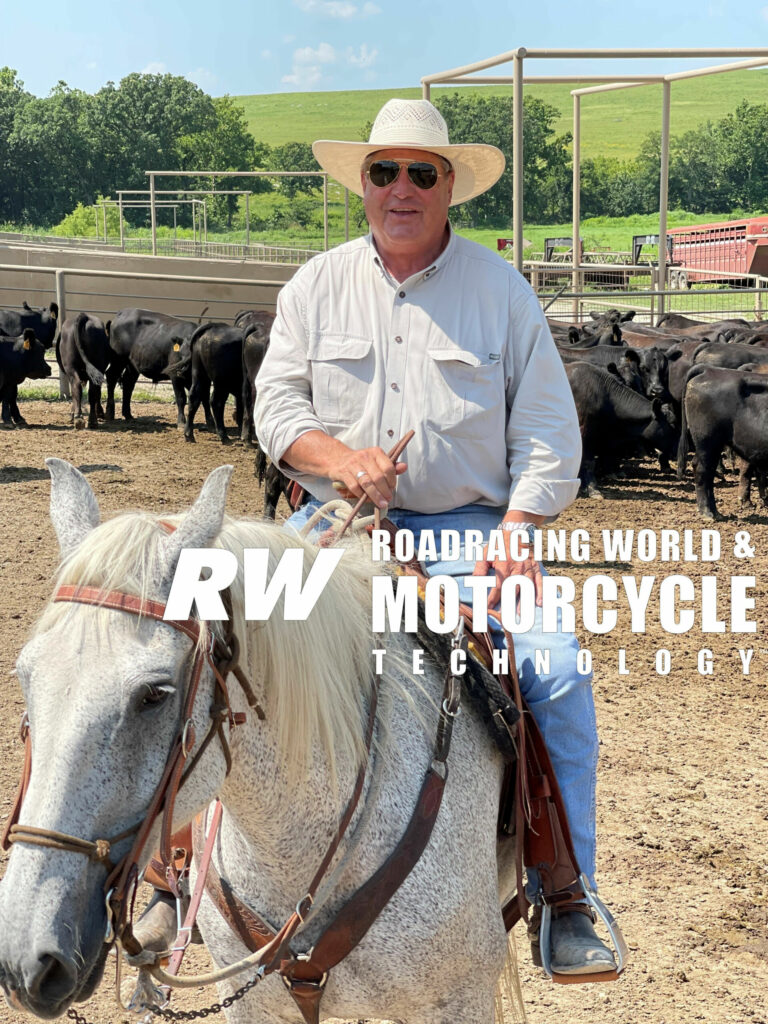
x=74 y=509
x=199 y=528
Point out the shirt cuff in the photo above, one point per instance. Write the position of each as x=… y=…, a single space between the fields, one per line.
x=545 y=498
x=284 y=437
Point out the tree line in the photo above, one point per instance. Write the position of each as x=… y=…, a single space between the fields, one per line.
x=72 y=147
x=716 y=167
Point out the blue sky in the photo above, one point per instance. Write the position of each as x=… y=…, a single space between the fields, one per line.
x=266 y=46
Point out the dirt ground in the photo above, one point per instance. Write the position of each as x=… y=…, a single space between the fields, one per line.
x=682 y=811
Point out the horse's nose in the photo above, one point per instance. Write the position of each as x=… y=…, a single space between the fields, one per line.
x=51 y=981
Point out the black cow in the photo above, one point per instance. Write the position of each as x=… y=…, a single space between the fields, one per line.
x=146 y=343
x=20 y=358
x=587 y=336
x=216 y=358
x=256 y=330
x=13 y=322
x=729 y=355
x=83 y=355
x=612 y=419
x=275 y=483
x=723 y=408
x=623 y=363
x=677 y=321
x=654 y=370
x=710 y=330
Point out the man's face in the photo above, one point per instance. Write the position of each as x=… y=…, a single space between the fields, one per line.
x=402 y=216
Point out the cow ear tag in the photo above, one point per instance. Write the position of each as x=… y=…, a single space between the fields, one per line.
x=176 y=347
x=27 y=345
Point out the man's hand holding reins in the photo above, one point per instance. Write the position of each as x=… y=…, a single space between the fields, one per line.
x=356 y=472
x=516 y=544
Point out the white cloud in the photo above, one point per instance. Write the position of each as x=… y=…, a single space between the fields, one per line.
x=309 y=65
x=266 y=55
x=337 y=8
x=328 y=8
x=155 y=67
x=202 y=77
x=91 y=65
x=764 y=13
x=364 y=58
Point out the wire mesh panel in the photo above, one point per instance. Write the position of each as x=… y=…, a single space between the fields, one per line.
x=700 y=302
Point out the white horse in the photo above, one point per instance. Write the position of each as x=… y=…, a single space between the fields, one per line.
x=104 y=691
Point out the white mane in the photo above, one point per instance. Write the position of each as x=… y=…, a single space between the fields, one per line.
x=315 y=674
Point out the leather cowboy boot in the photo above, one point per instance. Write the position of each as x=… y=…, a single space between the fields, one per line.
x=575 y=947
x=156 y=928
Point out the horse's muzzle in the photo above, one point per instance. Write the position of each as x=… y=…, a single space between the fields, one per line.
x=47 y=983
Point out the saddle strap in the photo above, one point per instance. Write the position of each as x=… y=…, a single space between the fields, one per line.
x=305 y=975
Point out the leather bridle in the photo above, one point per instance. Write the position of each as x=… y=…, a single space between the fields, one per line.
x=221 y=656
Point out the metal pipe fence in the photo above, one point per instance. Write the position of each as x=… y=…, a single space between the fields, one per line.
x=255 y=251
x=623 y=287
x=222 y=250
x=700 y=304
x=222 y=297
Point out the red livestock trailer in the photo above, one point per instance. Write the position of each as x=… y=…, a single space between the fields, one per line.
x=698 y=252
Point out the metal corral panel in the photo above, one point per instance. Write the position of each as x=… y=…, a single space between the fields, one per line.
x=228 y=286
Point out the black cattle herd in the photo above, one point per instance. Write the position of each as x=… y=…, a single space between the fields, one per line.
x=682 y=386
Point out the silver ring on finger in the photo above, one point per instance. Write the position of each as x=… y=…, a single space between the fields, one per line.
x=360 y=474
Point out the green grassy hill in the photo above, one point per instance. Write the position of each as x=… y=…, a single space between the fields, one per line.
x=613 y=124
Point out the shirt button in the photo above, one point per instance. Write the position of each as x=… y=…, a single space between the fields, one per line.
x=399 y=340
x=394 y=387
x=390 y=433
x=402 y=295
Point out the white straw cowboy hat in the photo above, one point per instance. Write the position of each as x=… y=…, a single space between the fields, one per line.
x=413 y=124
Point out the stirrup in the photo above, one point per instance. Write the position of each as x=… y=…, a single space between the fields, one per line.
x=614 y=932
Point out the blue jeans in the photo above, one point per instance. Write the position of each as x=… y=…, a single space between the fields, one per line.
x=560 y=701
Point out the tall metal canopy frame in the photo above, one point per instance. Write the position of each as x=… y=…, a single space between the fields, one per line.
x=190 y=191
x=466 y=75
x=153 y=191
x=123 y=204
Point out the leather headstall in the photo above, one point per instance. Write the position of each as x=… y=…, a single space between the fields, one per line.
x=221 y=656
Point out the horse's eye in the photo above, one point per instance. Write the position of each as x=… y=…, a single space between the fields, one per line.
x=153 y=697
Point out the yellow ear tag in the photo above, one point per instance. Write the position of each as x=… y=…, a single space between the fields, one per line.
x=176 y=347
x=27 y=345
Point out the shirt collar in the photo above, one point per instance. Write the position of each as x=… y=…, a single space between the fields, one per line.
x=422 y=275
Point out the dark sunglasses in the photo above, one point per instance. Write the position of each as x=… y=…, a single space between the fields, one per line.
x=424 y=175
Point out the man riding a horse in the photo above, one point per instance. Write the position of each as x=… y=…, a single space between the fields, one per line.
x=415 y=327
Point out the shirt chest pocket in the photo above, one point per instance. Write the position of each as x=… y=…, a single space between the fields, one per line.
x=342 y=371
x=465 y=393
